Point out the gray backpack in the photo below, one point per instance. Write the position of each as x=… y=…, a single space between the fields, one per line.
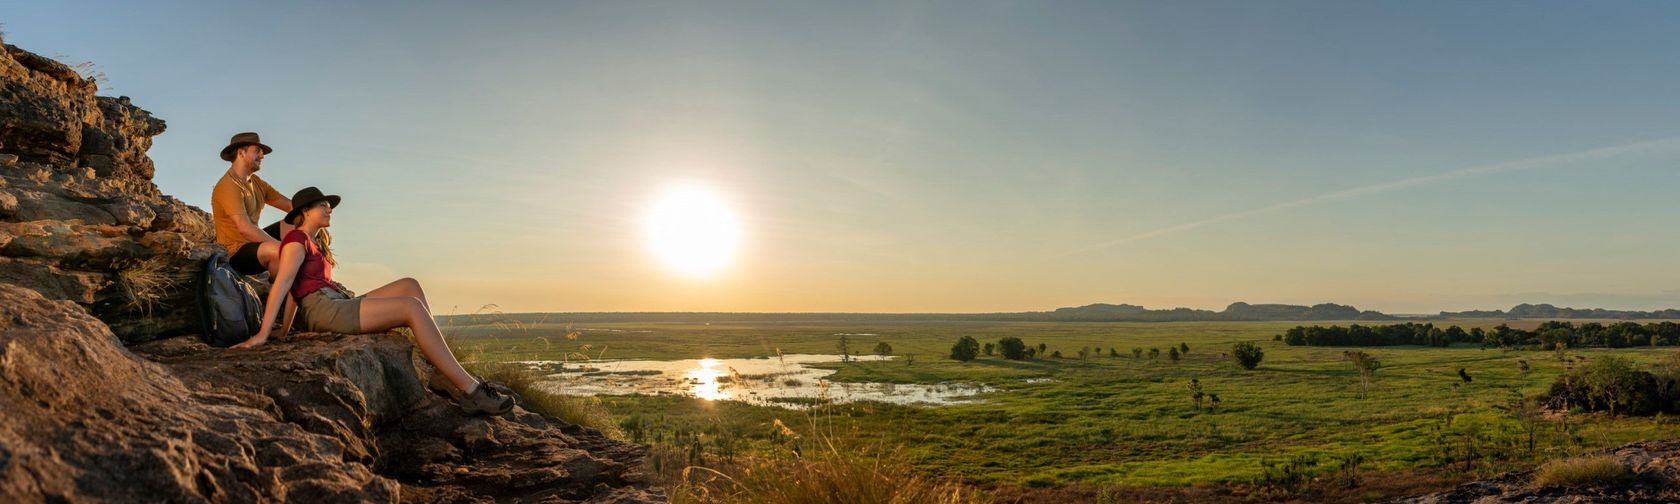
x=229 y=310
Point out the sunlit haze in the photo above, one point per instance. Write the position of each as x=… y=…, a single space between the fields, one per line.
x=923 y=156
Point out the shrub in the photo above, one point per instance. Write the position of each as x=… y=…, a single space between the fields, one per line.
x=1172 y=353
x=966 y=349
x=1581 y=471
x=1012 y=348
x=1612 y=384
x=883 y=349
x=1248 y=354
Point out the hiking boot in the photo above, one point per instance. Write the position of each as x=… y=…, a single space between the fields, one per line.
x=485 y=400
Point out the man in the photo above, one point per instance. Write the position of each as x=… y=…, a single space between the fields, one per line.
x=237 y=203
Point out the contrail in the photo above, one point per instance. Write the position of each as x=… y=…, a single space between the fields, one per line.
x=1509 y=166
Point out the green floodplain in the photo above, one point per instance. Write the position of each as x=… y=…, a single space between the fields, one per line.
x=1104 y=420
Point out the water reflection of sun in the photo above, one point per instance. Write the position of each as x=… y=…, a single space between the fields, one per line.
x=705 y=380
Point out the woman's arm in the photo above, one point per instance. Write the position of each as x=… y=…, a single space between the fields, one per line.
x=291 y=256
x=291 y=312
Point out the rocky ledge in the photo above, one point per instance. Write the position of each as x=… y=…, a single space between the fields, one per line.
x=1654 y=476
x=101 y=403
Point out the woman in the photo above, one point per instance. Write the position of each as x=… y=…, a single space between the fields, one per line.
x=304 y=272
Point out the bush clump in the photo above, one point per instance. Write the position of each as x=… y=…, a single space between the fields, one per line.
x=966 y=349
x=1012 y=348
x=1248 y=354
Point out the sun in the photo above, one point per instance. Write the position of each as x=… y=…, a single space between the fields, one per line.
x=692 y=231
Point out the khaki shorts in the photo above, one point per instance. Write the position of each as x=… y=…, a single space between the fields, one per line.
x=328 y=310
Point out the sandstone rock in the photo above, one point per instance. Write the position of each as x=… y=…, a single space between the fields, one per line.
x=365 y=392
x=87 y=420
x=78 y=196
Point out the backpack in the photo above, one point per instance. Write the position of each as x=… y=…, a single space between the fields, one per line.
x=229 y=310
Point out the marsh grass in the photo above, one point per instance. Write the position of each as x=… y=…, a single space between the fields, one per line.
x=1059 y=424
x=1581 y=471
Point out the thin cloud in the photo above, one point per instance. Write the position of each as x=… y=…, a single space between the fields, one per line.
x=1488 y=169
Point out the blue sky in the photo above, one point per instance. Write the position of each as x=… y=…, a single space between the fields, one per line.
x=927 y=156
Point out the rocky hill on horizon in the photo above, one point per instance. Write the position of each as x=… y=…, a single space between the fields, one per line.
x=1547 y=311
x=107 y=397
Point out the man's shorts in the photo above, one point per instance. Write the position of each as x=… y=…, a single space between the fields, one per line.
x=245 y=260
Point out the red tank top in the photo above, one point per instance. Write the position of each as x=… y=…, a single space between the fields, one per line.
x=315 y=274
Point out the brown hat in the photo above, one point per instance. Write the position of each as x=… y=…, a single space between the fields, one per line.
x=241 y=140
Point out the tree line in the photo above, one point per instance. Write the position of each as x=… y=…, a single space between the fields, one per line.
x=1549 y=335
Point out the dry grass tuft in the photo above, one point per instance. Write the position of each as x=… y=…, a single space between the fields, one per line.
x=1581 y=471
x=144 y=282
x=828 y=474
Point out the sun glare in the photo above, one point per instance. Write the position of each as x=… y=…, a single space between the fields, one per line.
x=692 y=231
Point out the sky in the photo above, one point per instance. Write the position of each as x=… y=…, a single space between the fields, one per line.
x=911 y=156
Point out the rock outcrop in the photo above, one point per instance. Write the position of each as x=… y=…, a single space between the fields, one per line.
x=1653 y=466
x=80 y=219
x=100 y=404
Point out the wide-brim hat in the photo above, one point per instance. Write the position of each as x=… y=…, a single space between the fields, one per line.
x=241 y=140
x=306 y=198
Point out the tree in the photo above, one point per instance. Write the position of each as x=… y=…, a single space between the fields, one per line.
x=1137 y=353
x=1196 y=392
x=1248 y=354
x=1084 y=352
x=1012 y=348
x=987 y=348
x=1042 y=347
x=1528 y=414
x=1113 y=354
x=1154 y=353
x=1610 y=380
x=1183 y=348
x=1172 y=353
x=845 y=349
x=1367 y=366
x=966 y=349
x=883 y=349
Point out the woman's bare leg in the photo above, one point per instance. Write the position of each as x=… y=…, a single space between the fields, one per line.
x=406 y=287
x=385 y=313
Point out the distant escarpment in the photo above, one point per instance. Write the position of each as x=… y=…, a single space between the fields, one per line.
x=1238 y=311
x=1547 y=311
x=100 y=404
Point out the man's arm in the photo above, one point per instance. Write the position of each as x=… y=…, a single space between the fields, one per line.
x=235 y=209
x=274 y=198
